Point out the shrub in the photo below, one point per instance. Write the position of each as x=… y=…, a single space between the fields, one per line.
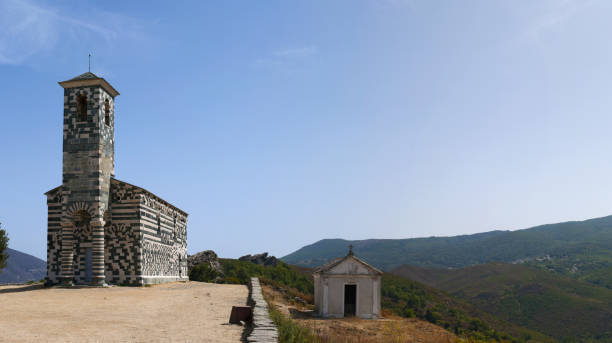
x=203 y=273
x=281 y=275
x=289 y=331
x=3 y=246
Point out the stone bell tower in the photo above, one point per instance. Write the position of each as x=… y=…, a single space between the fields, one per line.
x=88 y=165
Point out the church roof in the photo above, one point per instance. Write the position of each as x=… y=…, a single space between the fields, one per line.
x=142 y=190
x=53 y=190
x=89 y=79
x=138 y=189
x=330 y=265
x=85 y=76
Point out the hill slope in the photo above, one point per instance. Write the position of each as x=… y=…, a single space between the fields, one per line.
x=21 y=267
x=581 y=249
x=409 y=298
x=400 y=296
x=559 y=306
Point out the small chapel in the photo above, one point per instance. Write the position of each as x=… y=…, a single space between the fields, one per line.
x=102 y=230
x=347 y=287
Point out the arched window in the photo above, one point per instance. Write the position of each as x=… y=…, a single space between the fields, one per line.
x=81 y=218
x=82 y=107
x=106 y=112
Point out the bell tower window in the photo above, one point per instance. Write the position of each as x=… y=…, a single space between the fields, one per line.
x=107 y=112
x=82 y=107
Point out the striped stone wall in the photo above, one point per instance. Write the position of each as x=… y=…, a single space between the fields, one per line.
x=54 y=228
x=122 y=236
x=88 y=164
x=102 y=230
x=164 y=241
x=145 y=239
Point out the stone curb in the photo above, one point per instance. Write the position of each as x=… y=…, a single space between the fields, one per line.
x=264 y=330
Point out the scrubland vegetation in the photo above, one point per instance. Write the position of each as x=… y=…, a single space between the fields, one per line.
x=528 y=297
x=240 y=272
x=408 y=298
x=3 y=247
x=401 y=297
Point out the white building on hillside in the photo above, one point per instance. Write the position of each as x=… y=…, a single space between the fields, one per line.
x=347 y=286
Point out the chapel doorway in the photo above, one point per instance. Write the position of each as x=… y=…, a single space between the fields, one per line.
x=88 y=263
x=350 y=300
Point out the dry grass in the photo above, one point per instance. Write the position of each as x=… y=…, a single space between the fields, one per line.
x=391 y=329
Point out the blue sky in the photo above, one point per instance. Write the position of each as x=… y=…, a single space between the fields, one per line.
x=279 y=123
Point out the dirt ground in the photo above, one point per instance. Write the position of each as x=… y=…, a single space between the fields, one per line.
x=174 y=312
x=392 y=329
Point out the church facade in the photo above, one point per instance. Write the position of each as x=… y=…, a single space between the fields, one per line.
x=102 y=230
x=347 y=287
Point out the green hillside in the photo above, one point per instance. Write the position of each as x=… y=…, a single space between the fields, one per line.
x=562 y=307
x=582 y=250
x=409 y=298
x=400 y=296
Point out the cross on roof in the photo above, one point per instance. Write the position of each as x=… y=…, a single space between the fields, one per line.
x=350 y=249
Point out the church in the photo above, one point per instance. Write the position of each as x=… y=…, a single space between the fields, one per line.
x=347 y=287
x=102 y=230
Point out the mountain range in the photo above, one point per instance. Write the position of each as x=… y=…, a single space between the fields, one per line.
x=22 y=267
x=553 y=279
x=580 y=249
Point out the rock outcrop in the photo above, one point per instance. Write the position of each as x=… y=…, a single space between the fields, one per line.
x=209 y=257
x=261 y=259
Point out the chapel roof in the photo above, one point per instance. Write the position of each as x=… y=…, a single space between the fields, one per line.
x=330 y=265
x=89 y=79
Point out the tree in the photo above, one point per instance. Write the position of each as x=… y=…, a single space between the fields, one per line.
x=3 y=245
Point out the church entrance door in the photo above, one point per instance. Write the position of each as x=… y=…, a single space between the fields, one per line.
x=88 y=263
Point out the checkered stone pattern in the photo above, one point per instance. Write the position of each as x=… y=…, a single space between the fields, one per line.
x=53 y=256
x=102 y=230
x=54 y=211
x=160 y=259
x=87 y=167
x=164 y=248
x=120 y=254
x=82 y=242
x=88 y=150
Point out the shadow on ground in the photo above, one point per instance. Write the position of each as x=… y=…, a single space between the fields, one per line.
x=21 y=289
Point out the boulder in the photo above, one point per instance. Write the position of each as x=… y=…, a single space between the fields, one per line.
x=209 y=257
x=261 y=259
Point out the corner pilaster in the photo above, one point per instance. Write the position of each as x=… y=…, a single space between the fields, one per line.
x=98 y=277
x=67 y=253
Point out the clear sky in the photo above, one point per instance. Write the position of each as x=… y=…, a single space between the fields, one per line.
x=275 y=124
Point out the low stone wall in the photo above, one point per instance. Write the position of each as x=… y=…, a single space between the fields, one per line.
x=264 y=330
